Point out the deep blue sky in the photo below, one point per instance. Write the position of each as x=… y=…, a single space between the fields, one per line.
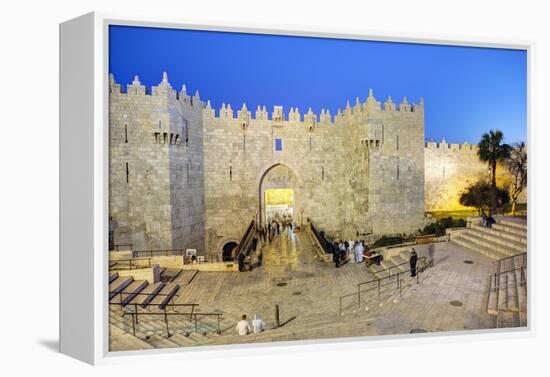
x=466 y=90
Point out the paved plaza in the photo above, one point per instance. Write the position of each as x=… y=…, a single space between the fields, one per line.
x=450 y=296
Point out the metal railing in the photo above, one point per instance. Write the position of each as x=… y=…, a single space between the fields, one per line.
x=158 y=252
x=130 y=263
x=496 y=278
x=166 y=313
x=248 y=236
x=321 y=241
x=380 y=283
x=117 y=247
x=523 y=255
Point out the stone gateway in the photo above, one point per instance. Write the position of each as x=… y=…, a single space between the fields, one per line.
x=183 y=175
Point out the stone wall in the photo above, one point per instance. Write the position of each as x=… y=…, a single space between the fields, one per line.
x=156 y=181
x=183 y=175
x=450 y=169
x=351 y=175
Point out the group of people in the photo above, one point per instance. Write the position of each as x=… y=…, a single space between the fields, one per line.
x=276 y=226
x=350 y=251
x=355 y=251
x=487 y=221
x=244 y=328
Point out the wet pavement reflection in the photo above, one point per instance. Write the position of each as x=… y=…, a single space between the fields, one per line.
x=287 y=252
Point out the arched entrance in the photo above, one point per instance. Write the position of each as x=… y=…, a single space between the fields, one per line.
x=227 y=251
x=279 y=194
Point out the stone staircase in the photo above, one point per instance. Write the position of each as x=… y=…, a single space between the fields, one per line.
x=507 y=299
x=507 y=237
x=151 y=329
x=390 y=269
x=150 y=301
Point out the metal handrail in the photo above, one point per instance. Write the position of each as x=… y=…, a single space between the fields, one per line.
x=129 y=261
x=162 y=252
x=423 y=259
x=116 y=247
x=510 y=257
x=380 y=285
x=192 y=316
x=320 y=240
x=241 y=247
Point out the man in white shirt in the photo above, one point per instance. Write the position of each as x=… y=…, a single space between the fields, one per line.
x=258 y=324
x=243 y=328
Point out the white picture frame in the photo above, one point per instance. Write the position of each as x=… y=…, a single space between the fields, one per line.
x=84 y=188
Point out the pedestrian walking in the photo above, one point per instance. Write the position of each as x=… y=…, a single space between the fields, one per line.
x=412 y=261
x=240 y=258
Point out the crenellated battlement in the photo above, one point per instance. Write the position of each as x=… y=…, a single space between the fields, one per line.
x=163 y=89
x=443 y=146
x=278 y=115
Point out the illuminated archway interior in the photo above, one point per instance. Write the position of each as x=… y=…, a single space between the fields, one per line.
x=279 y=203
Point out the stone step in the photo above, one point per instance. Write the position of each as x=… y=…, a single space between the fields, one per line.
x=495 y=255
x=491 y=245
x=120 y=340
x=510 y=229
x=521 y=225
x=147 y=294
x=133 y=290
x=399 y=260
x=501 y=238
x=118 y=285
x=183 y=340
x=500 y=233
x=164 y=296
x=159 y=341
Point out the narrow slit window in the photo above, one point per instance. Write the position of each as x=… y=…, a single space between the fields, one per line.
x=125 y=133
x=230 y=172
x=397 y=142
x=322 y=173
x=127 y=174
x=398 y=171
x=278 y=144
x=187 y=172
x=186 y=131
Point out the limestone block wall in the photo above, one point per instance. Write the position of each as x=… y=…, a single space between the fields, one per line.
x=183 y=175
x=387 y=178
x=156 y=181
x=450 y=169
x=237 y=159
x=344 y=173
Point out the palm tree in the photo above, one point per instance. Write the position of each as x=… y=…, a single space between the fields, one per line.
x=491 y=150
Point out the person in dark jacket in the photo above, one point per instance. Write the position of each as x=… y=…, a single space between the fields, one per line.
x=412 y=262
x=336 y=255
x=241 y=262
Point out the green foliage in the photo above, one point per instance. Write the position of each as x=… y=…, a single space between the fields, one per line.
x=491 y=150
x=438 y=227
x=387 y=241
x=478 y=195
